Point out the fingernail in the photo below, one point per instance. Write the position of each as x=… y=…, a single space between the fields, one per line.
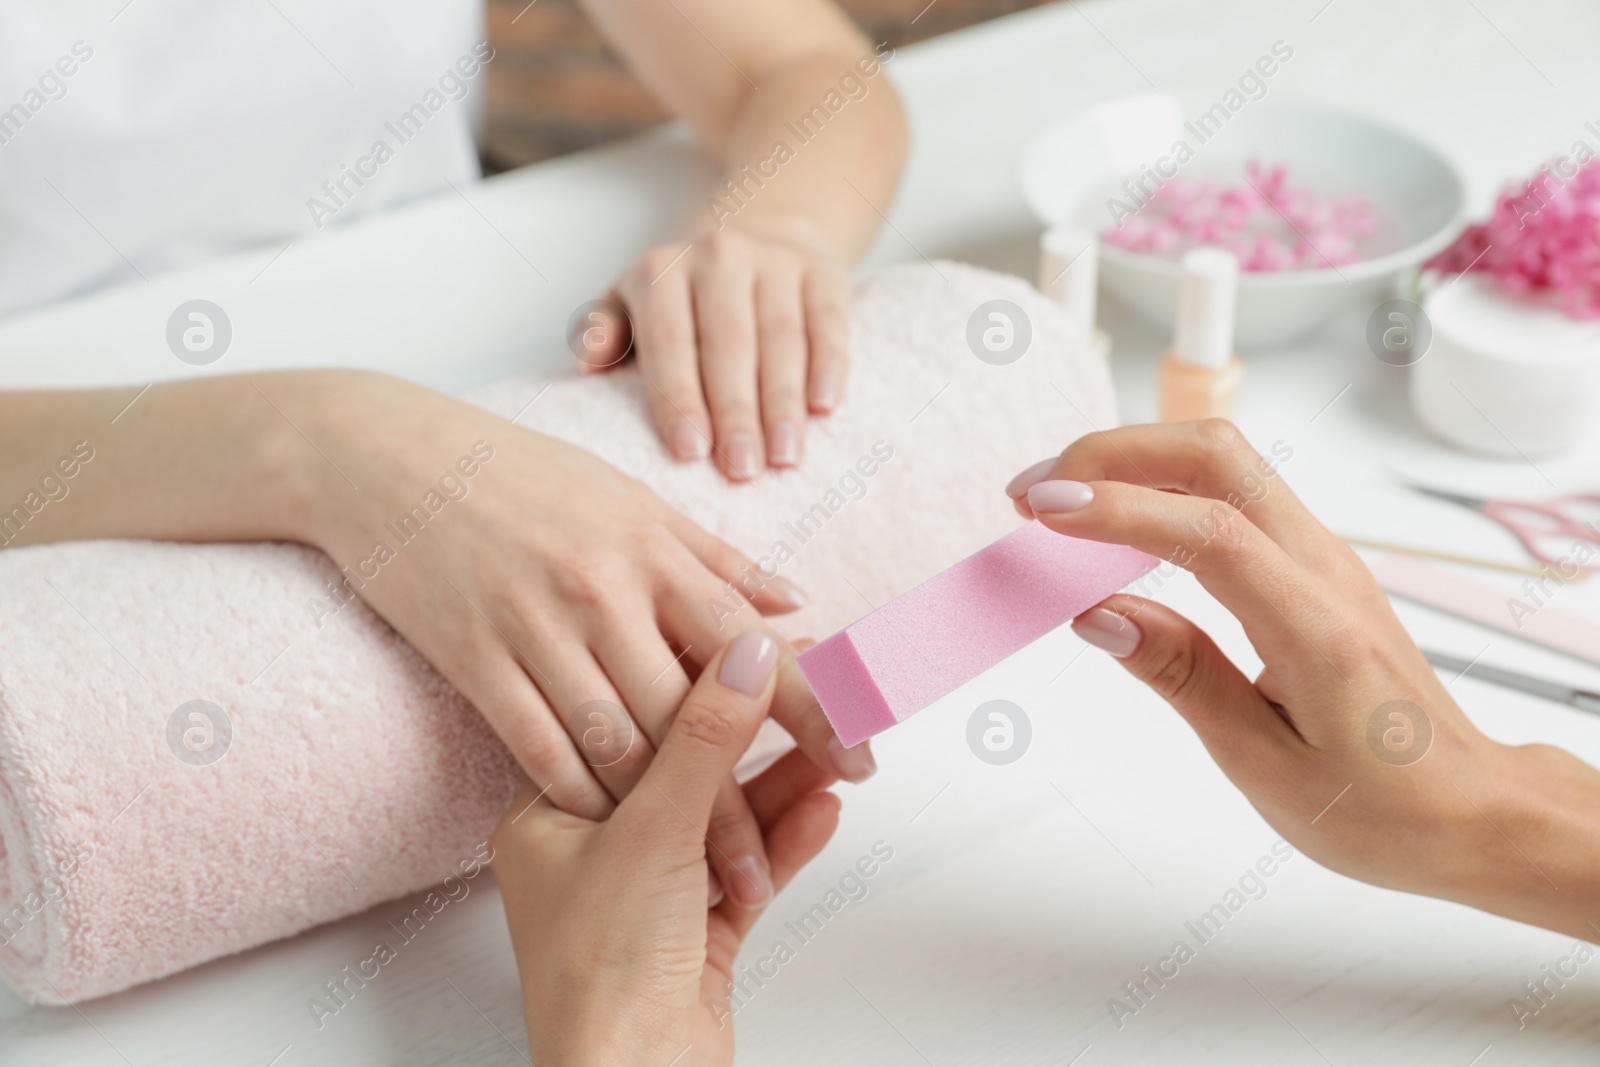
x=825 y=392
x=785 y=590
x=1059 y=497
x=853 y=764
x=687 y=441
x=785 y=447
x=1027 y=479
x=749 y=663
x=1110 y=630
x=714 y=892
x=753 y=887
x=742 y=455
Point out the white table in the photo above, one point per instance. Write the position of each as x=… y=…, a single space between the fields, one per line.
x=1019 y=898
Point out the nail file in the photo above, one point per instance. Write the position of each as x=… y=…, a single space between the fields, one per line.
x=925 y=643
x=1520 y=615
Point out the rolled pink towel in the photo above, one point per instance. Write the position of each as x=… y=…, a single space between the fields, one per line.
x=351 y=772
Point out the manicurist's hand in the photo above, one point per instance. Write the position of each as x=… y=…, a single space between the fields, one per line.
x=740 y=339
x=565 y=600
x=1346 y=742
x=624 y=950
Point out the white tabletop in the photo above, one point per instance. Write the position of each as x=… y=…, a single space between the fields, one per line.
x=1020 y=898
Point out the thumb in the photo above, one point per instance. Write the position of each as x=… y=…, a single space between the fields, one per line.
x=1238 y=725
x=712 y=729
x=601 y=334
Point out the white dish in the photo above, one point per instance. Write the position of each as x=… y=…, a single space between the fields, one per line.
x=1072 y=169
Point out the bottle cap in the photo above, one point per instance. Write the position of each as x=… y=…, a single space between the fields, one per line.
x=1069 y=262
x=1204 y=332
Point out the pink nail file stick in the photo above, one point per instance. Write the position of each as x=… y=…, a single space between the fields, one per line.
x=1444 y=591
x=927 y=642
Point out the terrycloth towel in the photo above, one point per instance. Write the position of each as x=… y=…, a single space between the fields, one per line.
x=351 y=772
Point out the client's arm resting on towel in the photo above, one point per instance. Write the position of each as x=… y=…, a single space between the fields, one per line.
x=620 y=957
x=740 y=326
x=533 y=575
x=1346 y=742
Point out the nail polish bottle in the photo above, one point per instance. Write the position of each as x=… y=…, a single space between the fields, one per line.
x=1200 y=372
x=1069 y=271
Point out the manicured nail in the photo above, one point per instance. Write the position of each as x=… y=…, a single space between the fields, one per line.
x=753 y=886
x=749 y=663
x=1059 y=497
x=714 y=892
x=784 y=450
x=825 y=392
x=786 y=591
x=1029 y=478
x=688 y=443
x=1112 y=631
x=853 y=764
x=741 y=450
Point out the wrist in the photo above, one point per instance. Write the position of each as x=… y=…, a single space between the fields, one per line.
x=304 y=458
x=794 y=229
x=1531 y=835
x=592 y=1038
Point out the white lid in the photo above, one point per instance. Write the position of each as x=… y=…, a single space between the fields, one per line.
x=1203 y=336
x=1069 y=261
x=1476 y=315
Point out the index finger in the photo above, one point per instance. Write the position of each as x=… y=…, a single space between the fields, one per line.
x=1210 y=458
x=1287 y=614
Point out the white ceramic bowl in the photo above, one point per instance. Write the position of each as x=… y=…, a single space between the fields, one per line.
x=1071 y=170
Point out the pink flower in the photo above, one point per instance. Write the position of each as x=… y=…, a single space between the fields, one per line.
x=1542 y=240
x=1269 y=224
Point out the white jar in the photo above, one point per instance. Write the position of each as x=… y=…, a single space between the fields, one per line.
x=1504 y=375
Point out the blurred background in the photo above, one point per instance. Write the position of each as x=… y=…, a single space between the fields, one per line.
x=556 y=87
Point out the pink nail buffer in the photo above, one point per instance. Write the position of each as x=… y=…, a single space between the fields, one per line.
x=927 y=642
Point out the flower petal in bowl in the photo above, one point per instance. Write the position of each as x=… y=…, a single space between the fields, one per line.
x=1094 y=166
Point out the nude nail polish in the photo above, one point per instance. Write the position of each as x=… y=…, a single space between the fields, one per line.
x=784 y=590
x=825 y=392
x=1069 y=270
x=752 y=885
x=741 y=451
x=749 y=663
x=1060 y=497
x=1109 y=630
x=688 y=443
x=1020 y=485
x=1200 y=373
x=784 y=450
x=852 y=764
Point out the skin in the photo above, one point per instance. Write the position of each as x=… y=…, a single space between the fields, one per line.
x=1510 y=830
x=740 y=326
x=554 y=581
x=623 y=902
x=1507 y=829
x=538 y=595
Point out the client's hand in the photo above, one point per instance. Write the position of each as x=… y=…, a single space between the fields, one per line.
x=621 y=960
x=1347 y=742
x=738 y=337
x=550 y=589
x=564 y=599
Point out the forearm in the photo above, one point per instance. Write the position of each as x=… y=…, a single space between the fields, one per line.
x=214 y=459
x=814 y=156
